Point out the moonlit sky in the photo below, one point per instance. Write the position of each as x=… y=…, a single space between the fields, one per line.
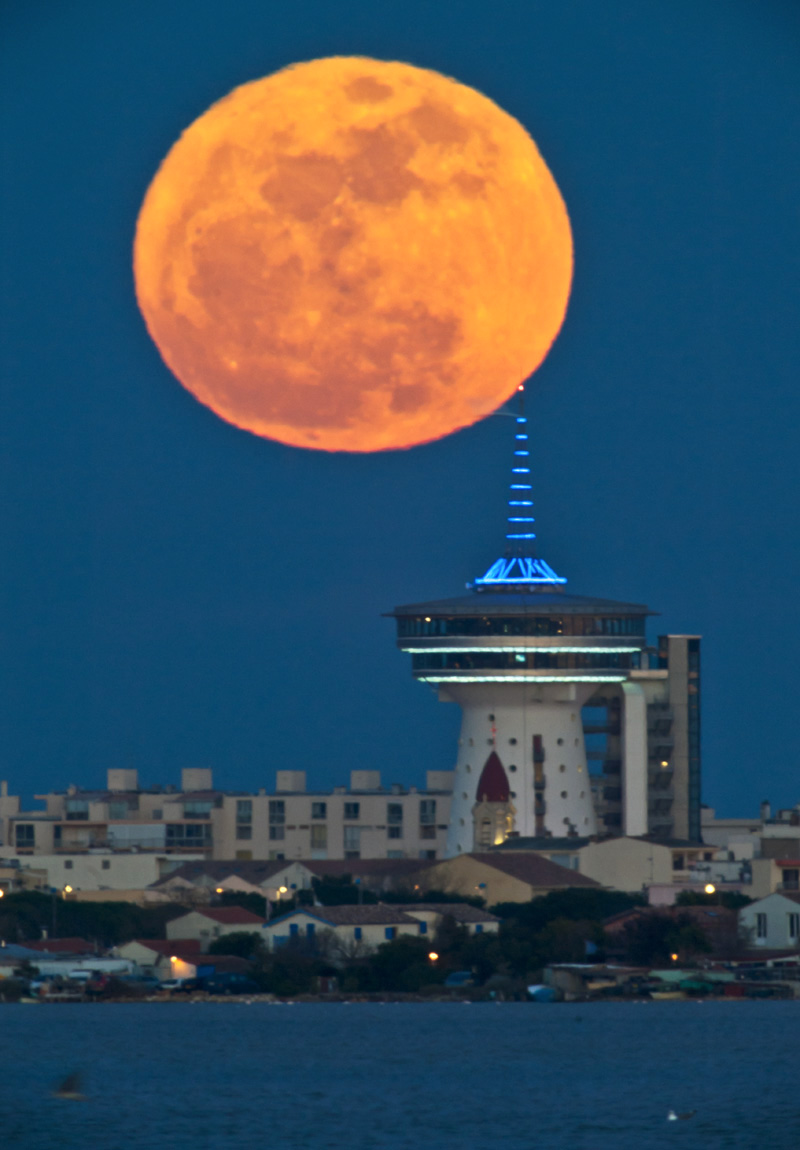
x=176 y=592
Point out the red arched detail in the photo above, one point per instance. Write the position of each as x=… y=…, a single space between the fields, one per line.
x=493 y=783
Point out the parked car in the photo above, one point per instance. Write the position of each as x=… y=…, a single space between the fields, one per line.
x=230 y=984
x=459 y=978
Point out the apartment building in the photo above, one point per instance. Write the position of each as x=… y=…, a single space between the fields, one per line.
x=364 y=820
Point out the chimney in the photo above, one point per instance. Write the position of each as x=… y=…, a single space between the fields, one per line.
x=766 y=810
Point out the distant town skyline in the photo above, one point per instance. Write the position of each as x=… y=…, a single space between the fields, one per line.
x=177 y=593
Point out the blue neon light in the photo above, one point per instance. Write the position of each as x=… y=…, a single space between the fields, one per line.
x=519 y=570
x=521 y=470
x=521 y=419
x=522 y=452
x=520 y=486
x=520 y=436
x=520 y=503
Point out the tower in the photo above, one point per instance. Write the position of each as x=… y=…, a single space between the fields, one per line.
x=523 y=657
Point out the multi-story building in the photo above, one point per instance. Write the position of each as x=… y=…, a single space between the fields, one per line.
x=364 y=820
x=571 y=724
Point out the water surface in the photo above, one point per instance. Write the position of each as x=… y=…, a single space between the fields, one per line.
x=214 y=1076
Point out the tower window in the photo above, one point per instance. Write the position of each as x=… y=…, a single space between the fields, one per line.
x=563 y=794
x=513 y=742
x=512 y=767
x=560 y=742
x=562 y=768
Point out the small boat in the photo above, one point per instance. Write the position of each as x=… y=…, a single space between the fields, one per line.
x=70 y=1089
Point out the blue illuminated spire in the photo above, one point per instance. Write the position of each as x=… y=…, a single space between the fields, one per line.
x=517 y=568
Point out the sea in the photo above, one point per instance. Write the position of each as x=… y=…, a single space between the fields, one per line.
x=427 y=1076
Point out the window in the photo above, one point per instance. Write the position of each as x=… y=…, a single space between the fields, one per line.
x=319 y=837
x=394 y=813
x=357 y=934
x=310 y=929
x=197 y=809
x=244 y=810
x=117 y=811
x=277 y=832
x=158 y=813
x=319 y=810
x=106 y=864
x=427 y=832
x=761 y=926
x=57 y=836
x=352 y=810
x=390 y=932
x=794 y=926
x=479 y=928
x=189 y=835
x=395 y=855
x=277 y=811
x=24 y=835
x=423 y=928
x=245 y=856
x=352 y=838
x=677 y=862
x=294 y=928
x=394 y=832
x=77 y=808
x=243 y=832
x=427 y=812
x=429 y=854
x=67 y=864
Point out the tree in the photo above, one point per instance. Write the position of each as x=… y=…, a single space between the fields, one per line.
x=651 y=939
x=244 y=943
x=731 y=899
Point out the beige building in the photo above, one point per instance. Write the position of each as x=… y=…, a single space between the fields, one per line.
x=501 y=876
x=430 y=916
x=211 y=923
x=364 y=820
x=772 y=922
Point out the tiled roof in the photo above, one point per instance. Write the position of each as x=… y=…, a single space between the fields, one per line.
x=534 y=869
x=365 y=867
x=179 y=946
x=230 y=915
x=460 y=911
x=375 y=915
x=62 y=946
x=254 y=872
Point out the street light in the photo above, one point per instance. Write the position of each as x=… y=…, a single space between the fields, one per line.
x=709 y=888
x=433 y=956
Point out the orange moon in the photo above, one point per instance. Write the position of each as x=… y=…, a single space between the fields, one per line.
x=353 y=255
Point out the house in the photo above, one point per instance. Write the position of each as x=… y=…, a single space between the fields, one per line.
x=430 y=915
x=62 y=946
x=199 y=881
x=181 y=959
x=620 y=862
x=356 y=929
x=211 y=923
x=773 y=922
x=719 y=924
x=501 y=876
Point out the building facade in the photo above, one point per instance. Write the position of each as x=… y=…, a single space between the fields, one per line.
x=110 y=838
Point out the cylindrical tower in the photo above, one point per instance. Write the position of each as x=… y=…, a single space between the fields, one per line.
x=521 y=657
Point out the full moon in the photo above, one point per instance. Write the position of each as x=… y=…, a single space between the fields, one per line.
x=353 y=255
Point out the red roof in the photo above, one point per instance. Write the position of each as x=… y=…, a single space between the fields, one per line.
x=493 y=783
x=170 y=945
x=62 y=946
x=231 y=915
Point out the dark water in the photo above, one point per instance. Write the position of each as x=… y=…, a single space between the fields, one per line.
x=208 y=1076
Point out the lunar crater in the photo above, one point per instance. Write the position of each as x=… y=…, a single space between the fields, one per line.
x=379 y=250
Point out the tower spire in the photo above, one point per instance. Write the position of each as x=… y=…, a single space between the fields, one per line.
x=519 y=568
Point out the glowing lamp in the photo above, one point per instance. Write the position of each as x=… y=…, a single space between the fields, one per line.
x=709 y=888
x=282 y=889
x=433 y=956
x=674 y=957
x=67 y=889
x=220 y=890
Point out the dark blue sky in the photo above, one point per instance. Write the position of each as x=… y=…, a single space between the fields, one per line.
x=176 y=592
